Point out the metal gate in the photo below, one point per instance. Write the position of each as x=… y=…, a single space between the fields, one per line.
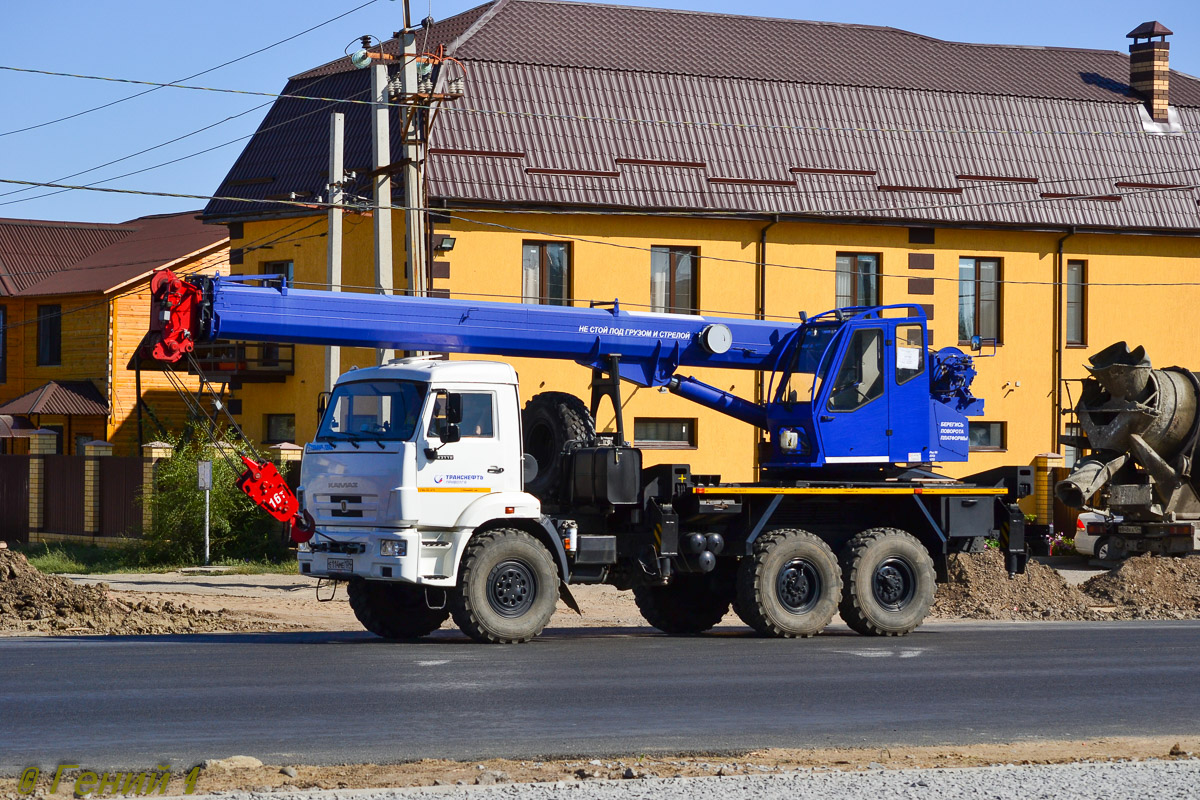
x=62 y=504
x=14 y=498
x=120 y=490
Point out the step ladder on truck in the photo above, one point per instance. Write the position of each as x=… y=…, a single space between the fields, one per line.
x=433 y=493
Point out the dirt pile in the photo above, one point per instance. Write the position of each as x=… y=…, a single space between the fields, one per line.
x=979 y=588
x=1149 y=587
x=31 y=601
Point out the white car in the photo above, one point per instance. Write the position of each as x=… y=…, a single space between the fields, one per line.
x=1096 y=545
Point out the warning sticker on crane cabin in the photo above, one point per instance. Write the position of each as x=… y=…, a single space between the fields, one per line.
x=952 y=431
x=640 y=333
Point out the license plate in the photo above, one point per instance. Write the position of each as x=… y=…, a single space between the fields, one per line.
x=340 y=565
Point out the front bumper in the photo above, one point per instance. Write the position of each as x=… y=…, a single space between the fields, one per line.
x=344 y=555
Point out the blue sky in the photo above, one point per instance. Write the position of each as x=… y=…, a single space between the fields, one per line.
x=166 y=41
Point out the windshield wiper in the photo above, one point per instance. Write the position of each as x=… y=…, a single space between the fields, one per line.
x=347 y=437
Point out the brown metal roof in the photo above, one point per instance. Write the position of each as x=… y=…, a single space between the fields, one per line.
x=48 y=258
x=786 y=117
x=31 y=250
x=68 y=398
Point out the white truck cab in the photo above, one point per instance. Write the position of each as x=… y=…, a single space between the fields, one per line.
x=392 y=495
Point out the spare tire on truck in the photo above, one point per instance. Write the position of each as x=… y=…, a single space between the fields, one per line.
x=551 y=422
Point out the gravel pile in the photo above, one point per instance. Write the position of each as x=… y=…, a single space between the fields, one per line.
x=979 y=588
x=1149 y=587
x=31 y=601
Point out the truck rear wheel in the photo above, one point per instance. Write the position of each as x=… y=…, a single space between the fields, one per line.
x=508 y=586
x=888 y=581
x=549 y=422
x=394 y=610
x=689 y=604
x=789 y=586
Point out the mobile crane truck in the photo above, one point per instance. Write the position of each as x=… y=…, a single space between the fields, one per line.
x=433 y=494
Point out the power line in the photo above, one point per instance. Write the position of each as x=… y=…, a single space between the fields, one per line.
x=583 y=240
x=189 y=77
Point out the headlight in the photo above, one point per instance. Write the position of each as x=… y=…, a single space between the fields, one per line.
x=303 y=547
x=392 y=547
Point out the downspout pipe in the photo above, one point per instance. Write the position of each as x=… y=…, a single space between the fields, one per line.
x=1059 y=345
x=760 y=312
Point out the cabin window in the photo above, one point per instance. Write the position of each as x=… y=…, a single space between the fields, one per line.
x=857 y=279
x=1076 y=290
x=674 y=284
x=478 y=417
x=49 y=336
x=860 y=379
x=978 y=299
x=988 y=436
x=910 y=352
x=664 y=433
x=546 y=273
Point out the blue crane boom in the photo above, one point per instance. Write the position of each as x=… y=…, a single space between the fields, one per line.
x=873 y=392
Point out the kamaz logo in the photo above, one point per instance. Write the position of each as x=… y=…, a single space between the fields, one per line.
x=348 y=485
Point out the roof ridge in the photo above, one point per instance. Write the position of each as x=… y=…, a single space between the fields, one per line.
x=496 y=5
x=54 y=223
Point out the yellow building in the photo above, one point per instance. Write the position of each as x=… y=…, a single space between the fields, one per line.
x=1035 y=197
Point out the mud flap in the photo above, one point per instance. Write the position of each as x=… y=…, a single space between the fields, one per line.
x=1012 y=539
x=565 y=594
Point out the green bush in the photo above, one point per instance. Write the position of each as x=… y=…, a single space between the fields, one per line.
x=238 y=529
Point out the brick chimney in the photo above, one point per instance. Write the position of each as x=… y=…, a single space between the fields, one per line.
x=1149 y=72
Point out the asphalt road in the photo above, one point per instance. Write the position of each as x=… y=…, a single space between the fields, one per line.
x=348 y=697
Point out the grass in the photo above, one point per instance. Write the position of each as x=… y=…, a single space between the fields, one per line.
x=86 y=559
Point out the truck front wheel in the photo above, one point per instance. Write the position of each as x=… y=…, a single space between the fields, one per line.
x=394 y=610
x=789 y=586
x=508 y=586
x=889 y=582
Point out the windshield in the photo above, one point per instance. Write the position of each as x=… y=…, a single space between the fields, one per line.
x=807 y=369
x=386 y=409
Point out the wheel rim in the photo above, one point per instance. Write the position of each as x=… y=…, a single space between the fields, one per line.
x=895 y=583
x=511 y=588
x=798 y=586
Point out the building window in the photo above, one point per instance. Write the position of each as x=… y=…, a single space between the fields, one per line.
x=546 y=273
x=284 y=268
x=49 y=336
x=987 y=436
x=3 y=344
x=1077 y=302
x=857 y=279
x=674 y=284
x=280 y=428
x=978 y=299
x=664 y=433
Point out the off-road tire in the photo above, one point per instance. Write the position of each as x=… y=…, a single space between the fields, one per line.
x=394 y=610
x=689 y=604
x=789 y=586
x=508 y=586
x=549 y=422
x=888 y=582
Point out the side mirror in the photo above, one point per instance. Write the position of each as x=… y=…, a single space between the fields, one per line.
x=450 y=433
x=976 y=344
x=454 y=409
x=322 y=405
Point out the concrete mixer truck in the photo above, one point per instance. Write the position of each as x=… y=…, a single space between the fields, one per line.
x=1142 y=428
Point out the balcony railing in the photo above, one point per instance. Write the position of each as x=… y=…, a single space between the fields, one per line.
x=249 y=362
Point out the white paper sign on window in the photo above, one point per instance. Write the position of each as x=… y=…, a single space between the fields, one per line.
x=908 y=358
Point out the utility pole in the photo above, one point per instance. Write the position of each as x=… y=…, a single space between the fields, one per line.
x=414 y=167
x=382 y=159
x=337 y=141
